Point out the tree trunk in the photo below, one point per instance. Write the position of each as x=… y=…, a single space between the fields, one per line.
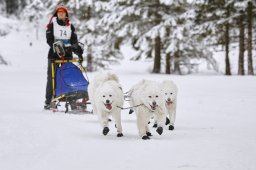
x=89 y=59
x=227 y=72
x=168 y=64
x=250 y=62
x=118 y=42
x=177 y=63
x=168 y=55
x=241 y=45
x=11 y=6
x=157 y=61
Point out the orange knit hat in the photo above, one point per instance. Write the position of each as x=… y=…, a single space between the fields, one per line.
x=63 y=7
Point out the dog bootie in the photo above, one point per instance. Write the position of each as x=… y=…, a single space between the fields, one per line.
x=149 y=134
x=159 y=130
x=119 y=135
x=167 y=121
x=171 y=127
x=145 y=137
x=105 y=130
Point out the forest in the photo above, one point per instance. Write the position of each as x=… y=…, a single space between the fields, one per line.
x=173 y=34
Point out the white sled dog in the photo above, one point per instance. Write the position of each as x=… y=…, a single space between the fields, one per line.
x=147 y=99
x=106 y=96
x=170 y=91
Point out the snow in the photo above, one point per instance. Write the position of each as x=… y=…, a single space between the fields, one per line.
x=215 y=126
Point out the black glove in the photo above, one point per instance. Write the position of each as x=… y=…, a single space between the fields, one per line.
x=68 y=50
x=77 y=49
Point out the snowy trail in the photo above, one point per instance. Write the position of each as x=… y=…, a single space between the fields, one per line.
x=215 y=129
x=215 y=126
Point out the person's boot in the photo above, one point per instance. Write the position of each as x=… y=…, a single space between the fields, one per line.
x=47 y=106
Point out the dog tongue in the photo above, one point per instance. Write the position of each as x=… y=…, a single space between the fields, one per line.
x=108 y=106
x=153 y=107
x=169 y=103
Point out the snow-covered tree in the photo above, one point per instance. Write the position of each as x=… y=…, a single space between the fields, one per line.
x=34 y=11
x=155 y=28
x=224 y=22
x=247 y=9
x=251 y=6
x=101 y=44
x=214 y=22
x=2 y=7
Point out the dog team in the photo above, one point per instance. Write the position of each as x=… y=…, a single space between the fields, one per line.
x=147 y=98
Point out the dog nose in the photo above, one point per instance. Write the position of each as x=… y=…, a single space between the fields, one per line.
x=107 y=101
x=168 y=99
x=154 y=103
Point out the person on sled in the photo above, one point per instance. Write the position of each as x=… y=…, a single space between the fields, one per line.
x=59 y=28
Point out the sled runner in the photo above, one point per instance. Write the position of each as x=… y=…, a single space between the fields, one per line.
x=68 y=82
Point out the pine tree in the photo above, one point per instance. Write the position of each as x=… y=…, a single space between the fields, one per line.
x=245 y=9
x=214 y=18
x=2 y=7
x=227 y=42
x=250 y=20
x=241 y=44
x=11 y=6
x=34 y=12
x=102 y=43
x=151 y=26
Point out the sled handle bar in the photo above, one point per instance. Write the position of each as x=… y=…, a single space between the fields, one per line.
x=66 y=61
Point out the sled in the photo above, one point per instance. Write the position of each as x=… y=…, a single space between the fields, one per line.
x=68 y=83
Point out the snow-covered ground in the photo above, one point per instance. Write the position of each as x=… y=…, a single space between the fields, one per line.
x=215 y=126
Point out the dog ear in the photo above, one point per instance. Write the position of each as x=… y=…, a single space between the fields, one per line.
x=112 y=76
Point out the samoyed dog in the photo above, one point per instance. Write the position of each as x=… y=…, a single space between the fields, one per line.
x=147 y=99
x=106 y=96
x=170 y=91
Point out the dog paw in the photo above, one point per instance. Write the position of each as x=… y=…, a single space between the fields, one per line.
x=119 y=135
x=155 y=125
x=171 y=127
x=131 y=111
x=145 y=137
x=159 y=130
x=105 y=130
x=149 y=134
x=167 y=121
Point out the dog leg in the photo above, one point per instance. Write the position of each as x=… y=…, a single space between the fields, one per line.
x=148 y=131
x=172 y=116
x=141 y=127
x=155 y=122
x=104 y=122
x=142 y=122
x=160 y=118
x=117 y=117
